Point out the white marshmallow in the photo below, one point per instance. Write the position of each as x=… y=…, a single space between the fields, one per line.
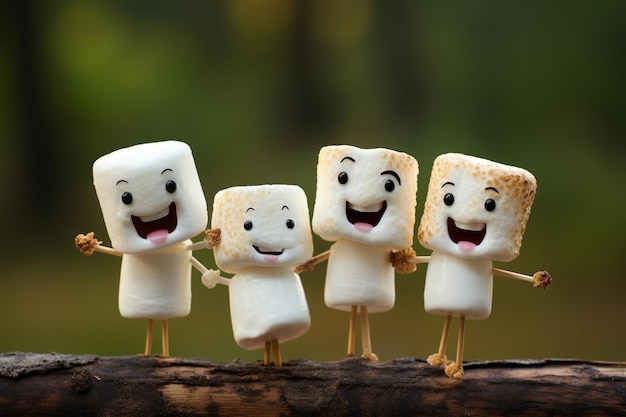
x=156 y=285
x=156 y=217
x=267 y=304
x=359 y=274
x=458 y=286
x=152 y=203
x=265 y=234
x=475 y=212
x=365 y=201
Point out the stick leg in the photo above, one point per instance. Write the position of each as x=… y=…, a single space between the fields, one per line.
x=439 y=358
x=165 y=339
x=148 y=347
x=366 y=340
x=455 y=369
x=266 y=354
x=277 y=360
x=352 y=331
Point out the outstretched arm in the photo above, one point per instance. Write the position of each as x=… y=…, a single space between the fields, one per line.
x=88 y=244
x=210 y=277
x=540 y=279
x=310 y=264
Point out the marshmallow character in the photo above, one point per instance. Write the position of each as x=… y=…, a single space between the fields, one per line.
x=475 y=212
x=265 y=234
x=152 y=204
x=365 y=203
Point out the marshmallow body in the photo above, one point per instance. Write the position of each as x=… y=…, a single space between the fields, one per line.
x=265 y=234
x=156 y=285
x=359 y=274
x=267 y=304
x=150 y=196
x=365 y=202
x=456 y=286
x=152 y=202
x=475 y=212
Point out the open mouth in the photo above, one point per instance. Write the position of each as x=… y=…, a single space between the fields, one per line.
x=155 y=228
x=467 y=239
x=267 y=251
x=270 y=255
x=365 y=219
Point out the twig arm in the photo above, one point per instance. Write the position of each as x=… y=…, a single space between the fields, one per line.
x=540 y=279
x=88 y=244
x=310 y=264
x=212 y=238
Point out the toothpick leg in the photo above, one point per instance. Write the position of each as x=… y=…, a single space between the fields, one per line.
x=440 y=358
x=165 y=339
x=277 y=360
x=366 y=340
x=266 y=354
x=455 y=369
x=352 y=331
x=148 y=348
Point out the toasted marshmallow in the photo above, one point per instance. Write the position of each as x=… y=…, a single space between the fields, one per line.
x=476 y=208
x=365 y=203
x=366 y=196
x=265 y=234
x=262 y=225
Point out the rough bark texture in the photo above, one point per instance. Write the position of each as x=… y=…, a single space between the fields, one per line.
x=77 y=385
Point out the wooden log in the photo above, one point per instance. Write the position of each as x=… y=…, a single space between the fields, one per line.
x=87 y=385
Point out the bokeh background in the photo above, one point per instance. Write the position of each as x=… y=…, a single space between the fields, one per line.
x=256 y=88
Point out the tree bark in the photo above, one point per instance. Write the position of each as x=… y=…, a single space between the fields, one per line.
x=76 y=385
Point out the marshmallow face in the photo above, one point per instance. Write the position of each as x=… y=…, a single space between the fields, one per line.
x=476 y=208
x=150 y=196
x=366 y=195
x=261 y=225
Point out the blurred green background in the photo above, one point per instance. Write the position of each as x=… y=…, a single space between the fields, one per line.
x=256 y=88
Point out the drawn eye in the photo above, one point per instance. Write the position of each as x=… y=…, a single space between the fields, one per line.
x=127 y=198
x=490 y=205
x=170 y=186
x=389 y=185
x=448 y=199
x=290 y=224
x=247 y=225
x=342 y=177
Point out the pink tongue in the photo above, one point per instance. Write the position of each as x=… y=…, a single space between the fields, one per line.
x=466 y=247
x=363 y=227
x=271 y=258
x=158 y=236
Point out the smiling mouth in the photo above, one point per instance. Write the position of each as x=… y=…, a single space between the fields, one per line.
x=370 y=215
x=458 y=234
x=156 y=229
x=267 y=251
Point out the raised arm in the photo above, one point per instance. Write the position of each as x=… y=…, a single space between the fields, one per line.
x=540 y=279
x=88 y=244
x=212 y=238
